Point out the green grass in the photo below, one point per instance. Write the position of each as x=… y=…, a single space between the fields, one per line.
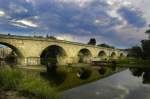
x=27 y=84
x=133 y=63
x=9 y=79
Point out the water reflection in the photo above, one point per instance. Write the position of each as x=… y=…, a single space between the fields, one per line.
x=83 y=73
x=142 y=72
x=128 y=84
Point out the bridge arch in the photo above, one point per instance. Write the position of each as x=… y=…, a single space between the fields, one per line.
x=15 y=56
x=84 y=55
x=102 y=54
x=113 y=55
x=128 y=55
x=53 y=54
x=121 y=55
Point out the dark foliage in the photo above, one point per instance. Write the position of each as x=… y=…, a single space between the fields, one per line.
x=92 y=41
x=136 y=52
x=146 y=48
x=51 y=37
x=105 y=45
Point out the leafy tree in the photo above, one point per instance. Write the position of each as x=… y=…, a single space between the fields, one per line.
x=92 y=41
x=51 y=37
x=136 y=52
x=146 y=45
x=146 y=48
x=148 y=32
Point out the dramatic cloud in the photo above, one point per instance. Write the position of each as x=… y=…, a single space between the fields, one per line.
x=80 y=3
x=26 y=23
x=2 y=13
x=17 y=8
x=117 y=22
x=132 y=17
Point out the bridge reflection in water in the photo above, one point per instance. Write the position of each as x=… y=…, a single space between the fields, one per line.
x=132 y=83
x=144 y=73
x=66 y=77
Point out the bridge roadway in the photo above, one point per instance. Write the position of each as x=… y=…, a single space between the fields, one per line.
x=34 y=50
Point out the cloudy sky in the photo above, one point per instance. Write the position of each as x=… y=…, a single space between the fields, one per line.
x=121 y=23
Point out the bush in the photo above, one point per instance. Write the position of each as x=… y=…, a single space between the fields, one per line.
x=27 y=84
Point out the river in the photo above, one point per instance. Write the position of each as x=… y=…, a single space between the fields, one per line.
x=122 y=85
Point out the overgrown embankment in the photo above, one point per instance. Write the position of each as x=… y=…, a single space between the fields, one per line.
x=38 y=84
x=25 y=84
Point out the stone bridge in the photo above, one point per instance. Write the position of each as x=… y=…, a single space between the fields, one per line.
x=35 y=50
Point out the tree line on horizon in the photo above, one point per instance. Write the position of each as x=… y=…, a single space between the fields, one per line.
x=92 y=41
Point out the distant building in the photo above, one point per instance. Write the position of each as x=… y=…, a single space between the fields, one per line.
x=4 y=51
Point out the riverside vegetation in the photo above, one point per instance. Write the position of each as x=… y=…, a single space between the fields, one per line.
x=26 y=84
x=42 y=85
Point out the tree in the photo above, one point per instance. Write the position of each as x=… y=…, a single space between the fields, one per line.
x=136 y=52
x=146 y=45
x=146 y=48
x=92 y=41
x=50 y=37
x=148 y=32
x=105 y=45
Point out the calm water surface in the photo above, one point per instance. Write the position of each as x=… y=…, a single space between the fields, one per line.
x=122 y=85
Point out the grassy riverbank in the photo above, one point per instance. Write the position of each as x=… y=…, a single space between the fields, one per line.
x=38 y=84
x=140 y=63
x=26 y=84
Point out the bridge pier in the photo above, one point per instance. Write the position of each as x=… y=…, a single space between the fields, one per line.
x=72 y=60
x=37 y=60
x=33 y=60
x=29 y=61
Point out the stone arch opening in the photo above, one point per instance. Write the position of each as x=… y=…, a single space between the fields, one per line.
x=53 y=54
x=102 y=55
x=113 y=55
x=9 y=54
x=128 y=55
x=84 y=56
x=121 y=55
